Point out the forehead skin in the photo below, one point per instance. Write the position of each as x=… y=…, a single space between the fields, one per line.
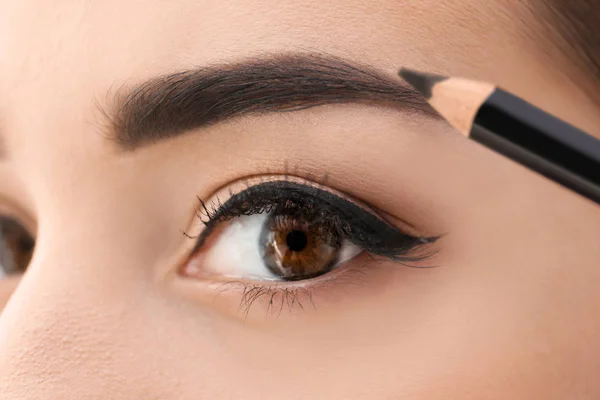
x=98 y=328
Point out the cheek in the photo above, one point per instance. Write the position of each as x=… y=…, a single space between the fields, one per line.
x=7 y=287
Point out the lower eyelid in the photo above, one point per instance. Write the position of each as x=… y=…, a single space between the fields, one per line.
x=247 y=298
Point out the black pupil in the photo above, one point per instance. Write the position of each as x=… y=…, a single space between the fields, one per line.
x=296 y=240
x=26 y=244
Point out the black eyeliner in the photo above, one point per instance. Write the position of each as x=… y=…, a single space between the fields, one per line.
x=345 y=218
x=516 y=129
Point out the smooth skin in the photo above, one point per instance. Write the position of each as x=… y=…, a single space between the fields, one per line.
x=510 y=311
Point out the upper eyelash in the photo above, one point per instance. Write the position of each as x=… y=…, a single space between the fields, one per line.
x=346 y=218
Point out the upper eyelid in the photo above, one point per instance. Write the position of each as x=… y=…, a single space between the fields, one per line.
x=251 y=182
x=396 y=242
x=210 y=209
x=245 y=183
x=228 y=191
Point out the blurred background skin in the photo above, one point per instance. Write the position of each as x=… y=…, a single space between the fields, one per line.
x=511 y=312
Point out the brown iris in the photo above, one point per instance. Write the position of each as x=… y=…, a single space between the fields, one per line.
x=16 y=246
x=294 y=249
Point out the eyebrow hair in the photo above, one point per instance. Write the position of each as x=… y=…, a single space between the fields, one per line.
x=170 y=105
x=573 y=27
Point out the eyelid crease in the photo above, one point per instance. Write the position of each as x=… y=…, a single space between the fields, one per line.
x=244 y=184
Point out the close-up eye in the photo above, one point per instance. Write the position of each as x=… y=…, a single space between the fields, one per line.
x=16 y=246
x=291 y=230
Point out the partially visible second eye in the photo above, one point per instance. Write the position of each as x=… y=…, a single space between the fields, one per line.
x=291 y=229
x=16 y=247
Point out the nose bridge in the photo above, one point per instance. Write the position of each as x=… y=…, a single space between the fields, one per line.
x=75 y=318
x=80 y=316
x=83 y=314
x=54 y=328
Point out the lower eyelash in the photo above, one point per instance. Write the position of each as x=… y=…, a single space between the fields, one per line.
x=297 y=295
x=277 y=299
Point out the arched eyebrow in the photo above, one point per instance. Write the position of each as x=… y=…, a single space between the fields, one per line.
x=171 y=105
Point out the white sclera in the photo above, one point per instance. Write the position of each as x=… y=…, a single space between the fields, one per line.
x=236 y=251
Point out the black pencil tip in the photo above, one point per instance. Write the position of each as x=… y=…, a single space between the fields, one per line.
x=421 y=81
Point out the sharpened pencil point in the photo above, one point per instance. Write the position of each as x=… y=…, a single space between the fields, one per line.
x=421 y=81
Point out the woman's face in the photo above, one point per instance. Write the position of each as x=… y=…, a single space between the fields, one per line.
x=129 y=295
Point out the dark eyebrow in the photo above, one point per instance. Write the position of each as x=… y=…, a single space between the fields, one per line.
x=174 y=104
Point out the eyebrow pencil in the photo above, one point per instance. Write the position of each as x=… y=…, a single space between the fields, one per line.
x=511 y=126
